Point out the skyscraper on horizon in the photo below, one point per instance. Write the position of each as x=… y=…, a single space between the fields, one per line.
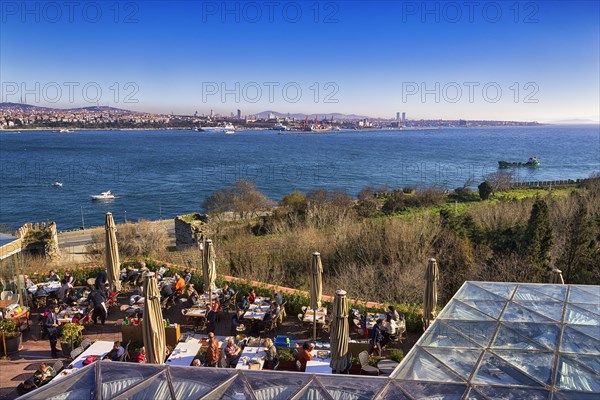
x=403 y=117
x=398 y=116
x=239 y=113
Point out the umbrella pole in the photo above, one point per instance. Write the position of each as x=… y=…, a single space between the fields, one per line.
x=315 y=326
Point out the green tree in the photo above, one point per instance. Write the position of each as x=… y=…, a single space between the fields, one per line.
x=581 y=246
x=539 y=240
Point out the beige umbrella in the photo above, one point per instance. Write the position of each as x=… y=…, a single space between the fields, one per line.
x=556 y=277
x=316 y=288
x=153 y=328
x=430 y=297
x=340 y=332
x=111 y=254
x=209 y=267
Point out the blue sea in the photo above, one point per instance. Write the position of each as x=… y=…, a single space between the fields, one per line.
x=161 y=174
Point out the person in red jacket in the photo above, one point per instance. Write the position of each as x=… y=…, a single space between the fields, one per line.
x=305 y=355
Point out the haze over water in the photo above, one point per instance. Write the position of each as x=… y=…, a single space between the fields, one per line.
x=167 y=173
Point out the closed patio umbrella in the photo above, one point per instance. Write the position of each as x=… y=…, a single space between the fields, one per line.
x=430 y=296
x=340 y=332
x=153 y=328
x=316 y=287
x=111 y=254
x=209 y=267
x=556 y=277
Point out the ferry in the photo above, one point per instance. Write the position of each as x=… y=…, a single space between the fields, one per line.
x=533 y=162
x=226 y=128
x=57 y=184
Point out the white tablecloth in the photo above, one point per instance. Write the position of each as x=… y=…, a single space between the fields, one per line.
x=99 y=348
x=318 y=365
x=184 y=353
x=372 y=319
x=48 y=287
x=309 y=315
x=251 y=352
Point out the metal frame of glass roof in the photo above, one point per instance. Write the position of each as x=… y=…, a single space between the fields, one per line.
x=492 y=340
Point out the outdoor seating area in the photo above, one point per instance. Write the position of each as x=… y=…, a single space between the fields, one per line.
x=477 y=347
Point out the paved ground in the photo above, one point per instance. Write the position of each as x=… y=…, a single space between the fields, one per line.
x=35 y=351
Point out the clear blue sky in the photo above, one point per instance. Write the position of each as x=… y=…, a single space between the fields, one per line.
x=374 y=58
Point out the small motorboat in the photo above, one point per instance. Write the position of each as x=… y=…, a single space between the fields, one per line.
x=57 y=184
x=103 y=196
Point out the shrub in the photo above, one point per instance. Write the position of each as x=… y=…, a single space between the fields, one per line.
x=397 y=355
x=9 y=328
x=485 y=190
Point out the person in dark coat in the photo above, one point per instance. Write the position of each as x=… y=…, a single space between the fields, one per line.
x=101 y=280
x=377 y=337
x=98 y=300
x=51 y=324
x=211 y=318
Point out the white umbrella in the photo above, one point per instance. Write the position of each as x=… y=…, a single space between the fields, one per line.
x=209 y=267
x=153 y=328
x=340 y=332
x=430 y=296
x=111 y=254
x=316 y=287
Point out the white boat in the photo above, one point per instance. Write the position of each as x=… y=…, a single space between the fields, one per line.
x=225 y=128
x=64 y=130
x=280 y=127
x=104 y=196
x=57 y=184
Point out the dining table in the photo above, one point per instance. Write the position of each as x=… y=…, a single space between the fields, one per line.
x=310 y=313
x=320 y=362
x=252 y=356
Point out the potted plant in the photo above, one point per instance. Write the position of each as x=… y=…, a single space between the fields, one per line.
x=70 y=337
x=12 y=336
x=286 y=359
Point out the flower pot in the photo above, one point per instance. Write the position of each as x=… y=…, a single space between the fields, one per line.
x=13 y=344
x=67 y=348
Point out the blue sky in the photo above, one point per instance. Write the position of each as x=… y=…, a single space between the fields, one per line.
x=492 y=60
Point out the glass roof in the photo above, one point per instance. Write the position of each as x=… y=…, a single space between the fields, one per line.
x=492 y=340
x=508 y=340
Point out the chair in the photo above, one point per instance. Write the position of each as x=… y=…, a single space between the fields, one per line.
x=14 y=297
x=304 y=309
x=76 y=352
x=4 y=295
x=282 y=313
x=58 y=366
x=222 y=363
x=298 y=366
x=85 y=343
x=301 y=317
x=126 y=356
x=363 y=356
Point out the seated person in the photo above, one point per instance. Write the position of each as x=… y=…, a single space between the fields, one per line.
x=167 y=293
x=116 y=353
x=179 y=284
x=141 y=357
x=196 y=362
x=215 y=305
x=277 y=297
x=191 y=295
x=25 y=387
x=271 y=354
x=70 y=279
x=232 y=353
x=389 y=330
x=43 y=375
x=62 y=291
x=237 y=319
x=275 y=309
x=226 y=294
x=27 y=283
x=52 y=277
x=305 y=355
x=187 y=276
x=392 y=314
x=243 y=304
x=252 y=296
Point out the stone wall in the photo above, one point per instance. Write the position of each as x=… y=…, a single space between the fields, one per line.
x=49 y=249
x=190 y=230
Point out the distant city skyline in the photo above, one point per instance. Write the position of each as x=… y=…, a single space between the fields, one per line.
x=523 y=61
